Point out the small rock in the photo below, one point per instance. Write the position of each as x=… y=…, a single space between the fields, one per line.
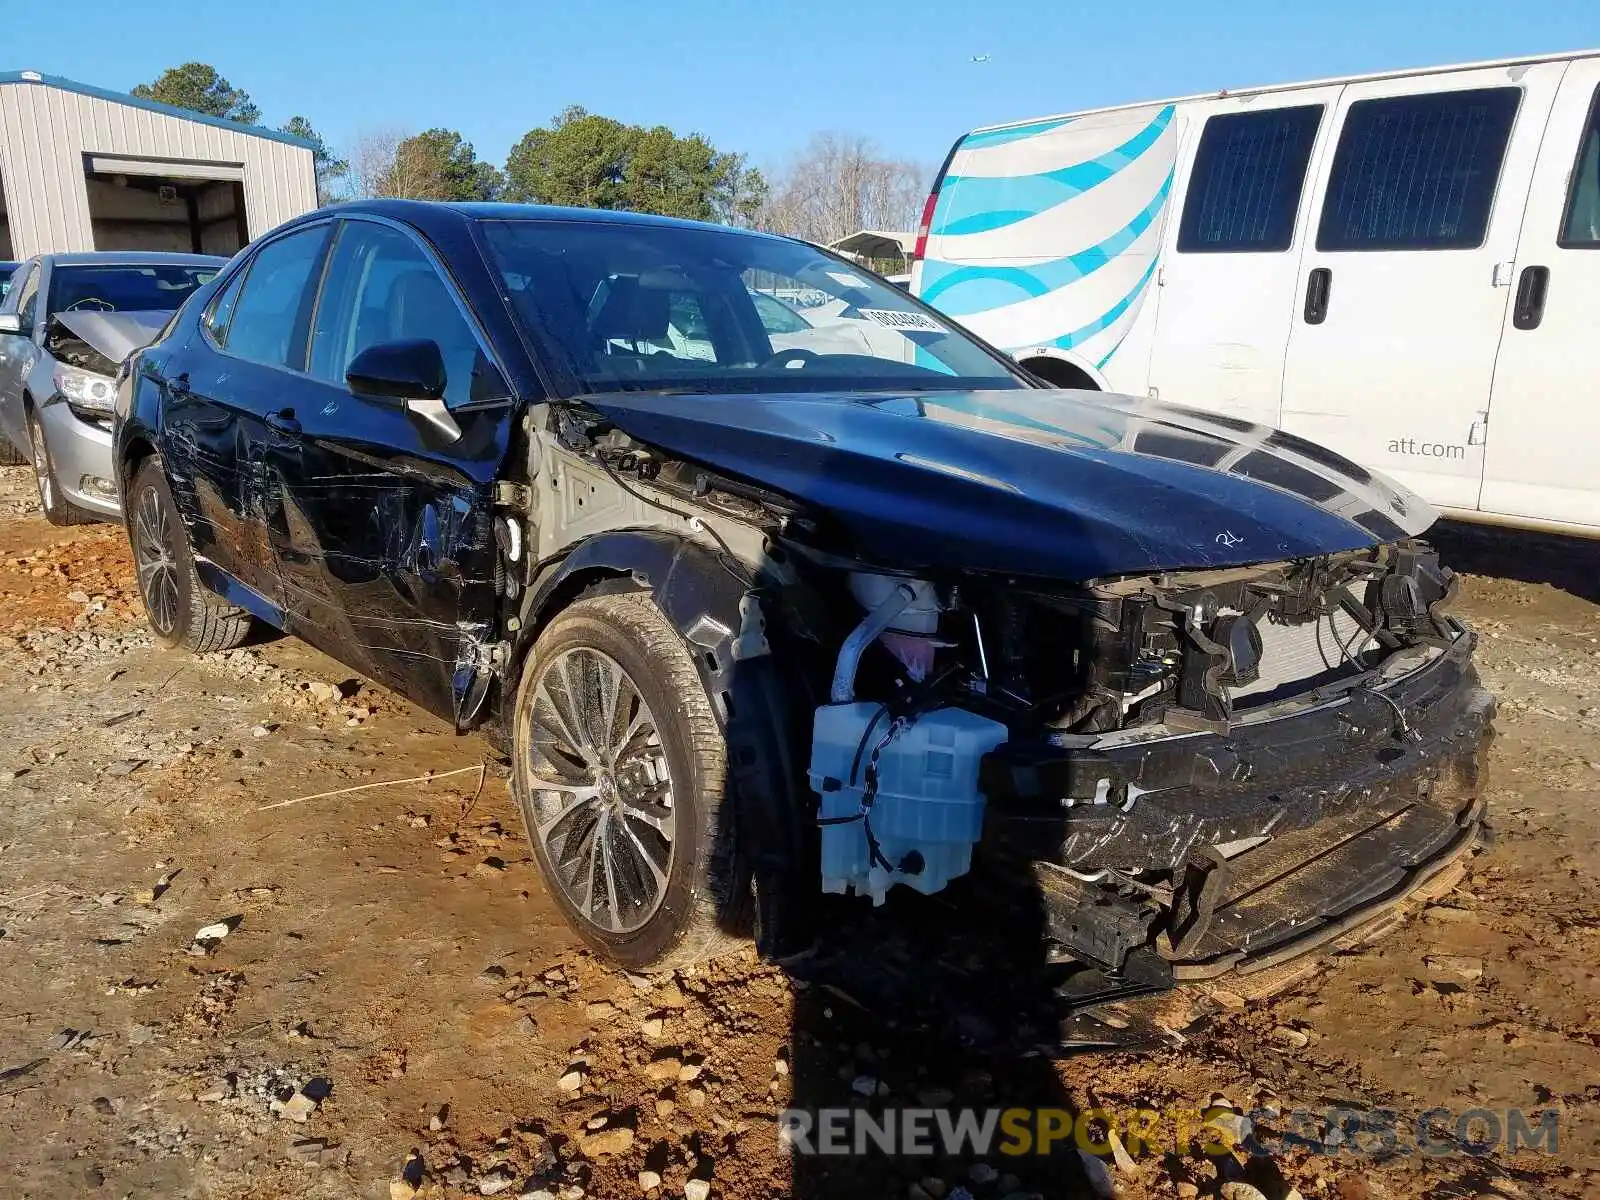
x=601 y=1010
x=124 y=766
x=864 y=1085
x=697 y=1189
x=495 y=1182
x=1291 y=1037
x=1460 y=965
x=1238 y=1189
x=665 y=1107
x=1187 y=1190
x=571 y=1081
x=436 y=1122
x=140 y=1035
x=78 y=597
x=401 y=1189
x=652 y=1027
x=211 y=1096
x=696 y=1098
x=538 y=1194
x=1227 y=999
x=312 y=1152
x=490 y=866
x=982 y=1174
x=649 y=1181
x=492 y=976
x=663 y=1069
x=260 y=731
x=689 y=1071
x=303 y=1103
x=214 y=932
x=570 y=1191
x=607 y=1142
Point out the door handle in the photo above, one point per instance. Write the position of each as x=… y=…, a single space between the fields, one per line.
x=283 y=422
x=1531 y=290
x=1319 y=286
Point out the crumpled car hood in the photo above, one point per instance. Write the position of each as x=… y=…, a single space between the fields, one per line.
x=1056 y=484
x=115 y=334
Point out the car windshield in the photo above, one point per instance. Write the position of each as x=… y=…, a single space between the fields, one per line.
x=645 y=307
x=145 y=287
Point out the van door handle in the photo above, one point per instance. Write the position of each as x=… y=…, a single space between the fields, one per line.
x=1531 y=290
x=283 y=422
x=1318 y=288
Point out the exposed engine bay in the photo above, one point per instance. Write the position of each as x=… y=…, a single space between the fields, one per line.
x=1202 y=769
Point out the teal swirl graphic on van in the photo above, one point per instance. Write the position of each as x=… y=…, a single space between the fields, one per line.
x=1047 y=234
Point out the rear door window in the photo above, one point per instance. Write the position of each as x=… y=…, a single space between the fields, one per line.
x=1417 y=172
x=270 y=312
x=382 y=287
x=1249 y=172
x=1581 y=229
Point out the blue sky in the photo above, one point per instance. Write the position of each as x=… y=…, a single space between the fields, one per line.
x=758 y=75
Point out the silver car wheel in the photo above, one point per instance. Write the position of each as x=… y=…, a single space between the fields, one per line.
x=42 y=473
x=599 y=789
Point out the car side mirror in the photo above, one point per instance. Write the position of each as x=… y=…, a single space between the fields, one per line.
x=11 y=323
x=410 y=373
x=412 y=369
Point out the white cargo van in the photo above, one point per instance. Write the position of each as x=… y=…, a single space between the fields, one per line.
x=1404 y=267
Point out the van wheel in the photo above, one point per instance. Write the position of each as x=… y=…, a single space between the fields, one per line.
x=181 y=612
x=1061 y=374
x=620 y=770
x=58 y=510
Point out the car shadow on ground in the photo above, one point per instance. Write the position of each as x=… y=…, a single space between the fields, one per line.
x=1571 y=564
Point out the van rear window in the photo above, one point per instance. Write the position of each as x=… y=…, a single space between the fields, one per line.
x=1417 y=172
x=1248 y=174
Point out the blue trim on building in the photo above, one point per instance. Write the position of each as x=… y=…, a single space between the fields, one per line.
x=155 y=106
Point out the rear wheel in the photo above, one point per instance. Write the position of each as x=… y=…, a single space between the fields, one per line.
x=620 y=772
x=58 y=510
x=181 y=612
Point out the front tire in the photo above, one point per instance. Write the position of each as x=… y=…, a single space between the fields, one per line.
x=58 y=510
x=181 y=612
x=620 y=770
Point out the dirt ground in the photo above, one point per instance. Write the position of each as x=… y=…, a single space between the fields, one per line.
x=396 y=1003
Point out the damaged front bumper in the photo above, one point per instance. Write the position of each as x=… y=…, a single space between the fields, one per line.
x=1238 y=850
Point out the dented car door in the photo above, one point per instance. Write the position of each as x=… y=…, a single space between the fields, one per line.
x=229 y=392
x=385 y=543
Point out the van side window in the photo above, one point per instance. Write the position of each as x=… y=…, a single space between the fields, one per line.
x=1581 y=229
x=1417 y=172
x=1248 y=174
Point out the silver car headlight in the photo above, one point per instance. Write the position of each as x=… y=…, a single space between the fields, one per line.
x=84 y=389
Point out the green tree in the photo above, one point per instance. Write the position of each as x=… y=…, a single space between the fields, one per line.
x=198 y=87
x=329 y=166
x=591 y=161
x=438 y=164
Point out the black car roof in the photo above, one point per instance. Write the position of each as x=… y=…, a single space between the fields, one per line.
x=429 y=215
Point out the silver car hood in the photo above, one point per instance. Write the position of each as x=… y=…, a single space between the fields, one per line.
x=115 y=334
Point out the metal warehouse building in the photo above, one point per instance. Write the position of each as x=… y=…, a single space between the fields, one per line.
x=82 y=168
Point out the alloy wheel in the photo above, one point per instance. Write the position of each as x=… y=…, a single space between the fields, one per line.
x=599 y=796
x=156 y=561
x=41 y=465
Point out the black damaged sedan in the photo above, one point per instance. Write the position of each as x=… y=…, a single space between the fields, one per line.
x=771 y=581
